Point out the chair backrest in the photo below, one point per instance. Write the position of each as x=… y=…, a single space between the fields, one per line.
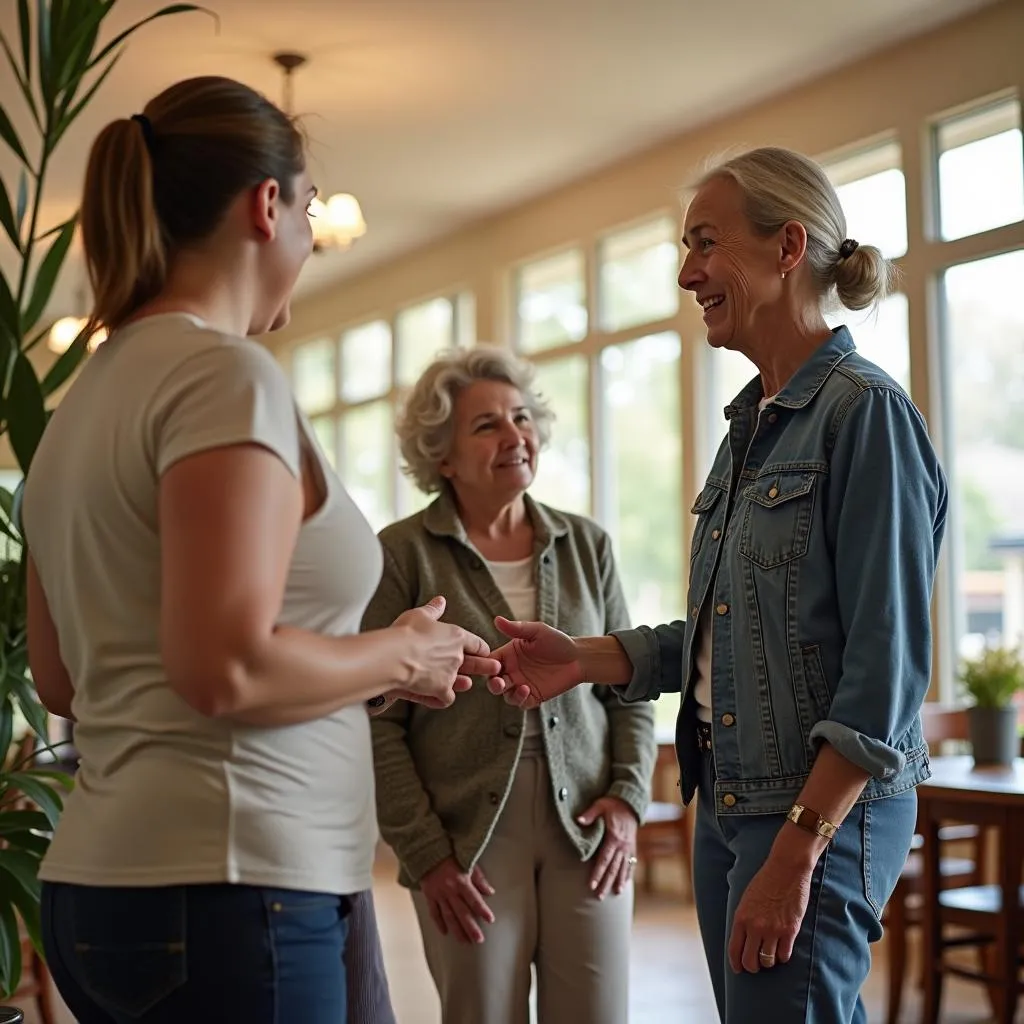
x=941 y=722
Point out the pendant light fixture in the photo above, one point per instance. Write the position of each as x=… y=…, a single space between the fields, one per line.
x=338 y=222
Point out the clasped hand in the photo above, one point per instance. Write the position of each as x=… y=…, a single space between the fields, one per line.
x=538 y=662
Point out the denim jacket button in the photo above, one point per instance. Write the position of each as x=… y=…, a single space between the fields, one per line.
x=722 y=608
x=694 y=612
x=728 y=719
x=773 y=493
x=715 y=534
x=772 y=417
x=729 y=800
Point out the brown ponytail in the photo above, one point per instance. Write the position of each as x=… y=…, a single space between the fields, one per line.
x=163 y=181
x=121 y=232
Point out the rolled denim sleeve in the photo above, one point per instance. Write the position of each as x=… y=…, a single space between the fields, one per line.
x=885 y=517
x=656 y=655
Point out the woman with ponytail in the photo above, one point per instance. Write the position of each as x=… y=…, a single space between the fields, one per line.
x=197 y=577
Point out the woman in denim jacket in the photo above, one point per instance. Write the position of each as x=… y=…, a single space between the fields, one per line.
x=806 y=654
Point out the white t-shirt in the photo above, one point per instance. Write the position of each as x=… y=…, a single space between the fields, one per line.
x=165 y=795
x=702 y=639
x=516 y=582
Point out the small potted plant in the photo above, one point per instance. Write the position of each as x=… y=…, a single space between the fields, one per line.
x=991 y=681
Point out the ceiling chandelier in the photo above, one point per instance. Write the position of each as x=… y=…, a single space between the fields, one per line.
x=338 y=222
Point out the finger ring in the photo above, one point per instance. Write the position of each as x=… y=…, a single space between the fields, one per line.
x=767 y=959
x=631 y=862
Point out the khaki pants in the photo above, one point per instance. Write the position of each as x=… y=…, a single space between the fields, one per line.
x=544 y=915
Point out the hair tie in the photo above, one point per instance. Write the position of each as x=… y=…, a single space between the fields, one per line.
x=848 y=248
x=147 y=131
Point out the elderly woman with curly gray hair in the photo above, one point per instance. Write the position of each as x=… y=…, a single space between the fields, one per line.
x=516 y=830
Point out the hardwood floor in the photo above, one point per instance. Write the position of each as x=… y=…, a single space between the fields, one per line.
x=669 y=981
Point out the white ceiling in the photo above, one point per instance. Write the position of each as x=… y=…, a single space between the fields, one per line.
x=438 y=112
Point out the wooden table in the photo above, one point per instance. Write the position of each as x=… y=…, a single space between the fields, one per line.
x=990 y=798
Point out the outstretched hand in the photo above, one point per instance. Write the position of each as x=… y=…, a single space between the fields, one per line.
x=537 y=663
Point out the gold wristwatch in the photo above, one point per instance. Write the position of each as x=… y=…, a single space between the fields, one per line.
x=811 y=821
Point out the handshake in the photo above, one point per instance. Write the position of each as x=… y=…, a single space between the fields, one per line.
x=536 y=664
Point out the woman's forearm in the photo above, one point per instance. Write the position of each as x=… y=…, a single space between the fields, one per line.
x=603 y=660
x=831 y=790
x=295 y=676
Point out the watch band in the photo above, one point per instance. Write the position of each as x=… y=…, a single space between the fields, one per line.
x=811 y=821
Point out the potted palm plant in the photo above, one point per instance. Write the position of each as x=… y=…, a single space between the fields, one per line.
x=58 y=63
x=991 y=681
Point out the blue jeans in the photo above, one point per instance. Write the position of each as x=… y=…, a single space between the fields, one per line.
x=852 y=882
x=202 y=954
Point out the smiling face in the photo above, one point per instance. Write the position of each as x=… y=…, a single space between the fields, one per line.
x=493 y=455
x=734 y=273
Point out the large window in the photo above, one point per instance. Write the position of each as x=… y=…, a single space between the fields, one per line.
x=644 y=473
x=984 y=333
x=350 y=387
x=979 y=156
x=872 y=190
x=563 y=475
x=873 y=193
x=609 y=366
x=639 y=396
x=981 y=169
x=551 y=302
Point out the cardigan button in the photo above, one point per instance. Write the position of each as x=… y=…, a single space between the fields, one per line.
x=553 y=721
x=563 y=794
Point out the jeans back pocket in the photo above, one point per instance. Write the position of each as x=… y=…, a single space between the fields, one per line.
x=130 y=945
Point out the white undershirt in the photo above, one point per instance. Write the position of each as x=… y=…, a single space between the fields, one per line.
x=702 y=640
x=516 y=583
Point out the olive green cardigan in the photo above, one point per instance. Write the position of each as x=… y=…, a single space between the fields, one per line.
x=443 y=776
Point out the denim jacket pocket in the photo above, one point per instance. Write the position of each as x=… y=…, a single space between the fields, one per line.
x=131 y=945
x=777 y=518
x=703 y=509
x=819 y=698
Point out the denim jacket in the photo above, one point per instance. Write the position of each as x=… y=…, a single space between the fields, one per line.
x=816 y=542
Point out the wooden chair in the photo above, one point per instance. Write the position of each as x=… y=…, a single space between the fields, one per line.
x=665 y=831
x=903 y=911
